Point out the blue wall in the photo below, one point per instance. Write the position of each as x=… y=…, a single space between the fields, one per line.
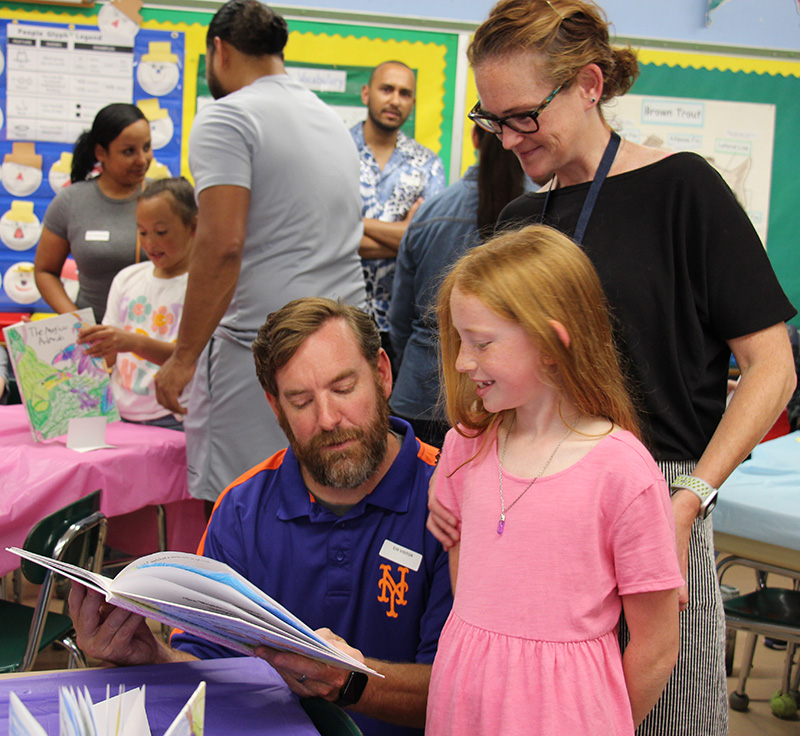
x=769 y=24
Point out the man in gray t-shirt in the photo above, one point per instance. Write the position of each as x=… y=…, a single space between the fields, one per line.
x=276 y=177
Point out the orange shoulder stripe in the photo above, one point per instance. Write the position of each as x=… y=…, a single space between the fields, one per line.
x=428 y=453
x=271 y=463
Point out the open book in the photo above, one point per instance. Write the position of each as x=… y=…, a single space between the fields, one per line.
x=206 y=598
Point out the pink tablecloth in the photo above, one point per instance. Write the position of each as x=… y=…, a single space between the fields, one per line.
x=147 y=466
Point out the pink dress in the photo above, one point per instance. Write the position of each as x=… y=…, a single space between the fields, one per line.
x=530 y=646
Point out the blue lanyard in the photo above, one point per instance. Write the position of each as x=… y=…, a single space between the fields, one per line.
x=591 y=197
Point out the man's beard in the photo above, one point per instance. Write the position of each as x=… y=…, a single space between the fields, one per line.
x=386 y=128
x=348 y=468
x=213 y=82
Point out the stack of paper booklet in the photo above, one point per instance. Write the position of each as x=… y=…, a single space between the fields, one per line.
x=121 y=715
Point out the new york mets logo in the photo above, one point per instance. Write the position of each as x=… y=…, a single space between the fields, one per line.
x=393 y=593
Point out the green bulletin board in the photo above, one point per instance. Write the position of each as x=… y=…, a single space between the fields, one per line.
x=357 y=77
x=356 y=49
x=781 y=90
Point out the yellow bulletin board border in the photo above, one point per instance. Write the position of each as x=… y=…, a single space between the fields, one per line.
x=431 y=53
x=724 y=63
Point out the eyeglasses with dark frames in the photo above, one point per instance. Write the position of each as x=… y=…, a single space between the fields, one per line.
x=521 y=122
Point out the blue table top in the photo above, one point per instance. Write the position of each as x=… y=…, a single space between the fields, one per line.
x=761 y=499
x=244 y=696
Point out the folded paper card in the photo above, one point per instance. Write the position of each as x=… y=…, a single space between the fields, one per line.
x=123 y=714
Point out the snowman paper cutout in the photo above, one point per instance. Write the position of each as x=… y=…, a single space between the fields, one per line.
x=120 y=19
x=157 y=170
x=59 y=174
x=158 y=72
x=161 y=125
x=20 y=229
x=22 y=170
x=69 y=278
x=19 y=284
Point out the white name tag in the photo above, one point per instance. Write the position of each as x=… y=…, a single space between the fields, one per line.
x=401 y=555
x=98 y=235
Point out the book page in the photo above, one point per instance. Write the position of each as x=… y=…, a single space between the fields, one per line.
x=211 y=577
x=20 y=720
x=209 y=612
x=93 y=580
x=205 y=595
x=161 y=594
x=235 y=633
x=191 y=719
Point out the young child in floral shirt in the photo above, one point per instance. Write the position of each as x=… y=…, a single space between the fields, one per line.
x=145 y=303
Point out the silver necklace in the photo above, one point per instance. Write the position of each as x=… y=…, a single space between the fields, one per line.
x=502 y=523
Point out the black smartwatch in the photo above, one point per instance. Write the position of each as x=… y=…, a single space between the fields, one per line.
x=353 y=689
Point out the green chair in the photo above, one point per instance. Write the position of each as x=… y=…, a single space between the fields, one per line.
x=328 y=718
x=767 y=611
x=76 y=534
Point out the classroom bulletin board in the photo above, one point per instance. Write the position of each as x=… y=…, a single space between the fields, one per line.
x=317 y=51
x=334 y=57
x=746 y=79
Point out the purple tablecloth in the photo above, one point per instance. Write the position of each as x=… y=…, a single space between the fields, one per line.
x=244 y=696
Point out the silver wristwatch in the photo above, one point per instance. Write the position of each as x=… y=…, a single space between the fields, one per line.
x=706 y=493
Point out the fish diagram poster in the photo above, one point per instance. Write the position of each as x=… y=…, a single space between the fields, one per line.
x=53 y=80
x=736 y=138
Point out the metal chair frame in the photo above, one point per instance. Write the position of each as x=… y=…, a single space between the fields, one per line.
x=76 y=530
x=784 y=628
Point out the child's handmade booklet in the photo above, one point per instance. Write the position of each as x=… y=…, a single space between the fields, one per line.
x=206 y=598
x=123 y=714
x=57 y=380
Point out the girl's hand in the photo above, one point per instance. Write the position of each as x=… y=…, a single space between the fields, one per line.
x=443 y=525
x=102 y=341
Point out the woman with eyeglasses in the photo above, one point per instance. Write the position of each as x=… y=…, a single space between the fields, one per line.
x=687 y=279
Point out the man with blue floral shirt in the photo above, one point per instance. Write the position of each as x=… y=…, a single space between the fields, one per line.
x=397 y=173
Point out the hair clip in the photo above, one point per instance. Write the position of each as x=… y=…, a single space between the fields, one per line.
x=555 y=11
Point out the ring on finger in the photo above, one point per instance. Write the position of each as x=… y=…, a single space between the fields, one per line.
x=302 y=679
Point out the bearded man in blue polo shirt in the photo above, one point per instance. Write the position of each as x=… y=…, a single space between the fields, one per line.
x=332 y=527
